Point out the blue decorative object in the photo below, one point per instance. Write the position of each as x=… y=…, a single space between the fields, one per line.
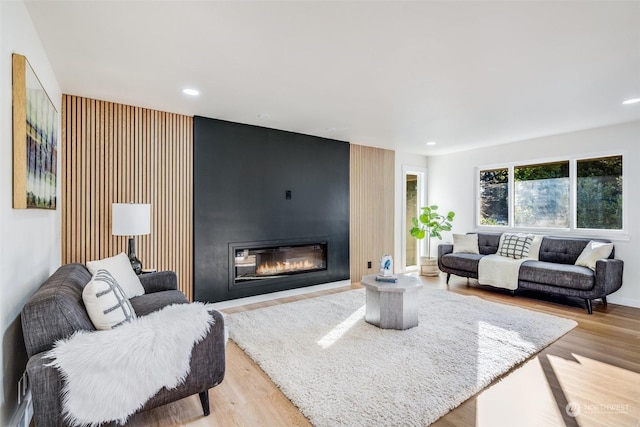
x=386 y=265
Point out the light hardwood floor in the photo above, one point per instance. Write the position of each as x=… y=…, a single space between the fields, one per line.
x=595 y=368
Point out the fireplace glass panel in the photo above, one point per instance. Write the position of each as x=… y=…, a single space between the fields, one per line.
x=276 y=261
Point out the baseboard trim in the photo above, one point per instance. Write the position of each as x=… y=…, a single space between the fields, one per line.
x=275 y=295
x=629 y=302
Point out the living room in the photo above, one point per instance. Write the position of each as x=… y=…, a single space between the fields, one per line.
x=36 y=242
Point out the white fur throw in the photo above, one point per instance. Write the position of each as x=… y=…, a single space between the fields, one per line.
x=111 y=374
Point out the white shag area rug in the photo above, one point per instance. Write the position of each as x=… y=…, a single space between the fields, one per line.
x=341 y=371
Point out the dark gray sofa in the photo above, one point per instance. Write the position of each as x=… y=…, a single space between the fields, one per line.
x=56 y=311
x=554 y=272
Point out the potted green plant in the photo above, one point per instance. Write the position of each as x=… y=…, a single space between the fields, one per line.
x=430 y=224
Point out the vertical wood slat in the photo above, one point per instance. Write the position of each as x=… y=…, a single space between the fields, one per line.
x=82 y=182
x=371 y=187
x=112 y=153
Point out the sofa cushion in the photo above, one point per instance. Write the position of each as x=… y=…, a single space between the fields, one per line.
x=488 y=243
x=148 y=303
x=120 y=268
x=534 y=249
x=593 y=252
x=515 y=245
x=553 y=274
x=461 y=261
x=465 y=243
x=106 y=303
x=561 y=250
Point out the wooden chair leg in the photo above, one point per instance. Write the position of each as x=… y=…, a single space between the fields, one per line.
x=204 y=400
x=448 y=276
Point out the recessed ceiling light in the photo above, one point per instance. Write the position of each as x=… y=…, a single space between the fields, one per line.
x=264 y=117
x=190 y=92
x=631 y=101
x=431 y=143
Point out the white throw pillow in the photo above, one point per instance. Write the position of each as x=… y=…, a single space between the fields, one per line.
x=465 y=243
x=121 y=270
x=593 y=252
x=514 y=245
x=534 y=249
x=106 y=303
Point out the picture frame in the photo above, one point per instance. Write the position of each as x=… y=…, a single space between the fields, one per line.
x=35 y=137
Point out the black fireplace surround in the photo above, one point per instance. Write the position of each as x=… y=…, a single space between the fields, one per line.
x=271 y=210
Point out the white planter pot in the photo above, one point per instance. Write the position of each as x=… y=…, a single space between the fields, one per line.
x=429 y=266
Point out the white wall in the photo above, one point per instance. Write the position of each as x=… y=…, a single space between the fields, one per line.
x=452 y=183
x=402 y=159
x=30 y=239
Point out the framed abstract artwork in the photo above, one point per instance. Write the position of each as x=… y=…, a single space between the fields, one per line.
x=35 y=134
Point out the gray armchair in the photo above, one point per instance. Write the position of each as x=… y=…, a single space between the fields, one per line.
x=56 y=311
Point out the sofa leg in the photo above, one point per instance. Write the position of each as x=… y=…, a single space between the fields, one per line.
x=448 y=276
x=589 y=307
x=604 y=301
x=512 y=292
x=204 y=400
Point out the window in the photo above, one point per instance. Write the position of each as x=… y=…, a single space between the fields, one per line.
x=539 y=195
x=494 y=197
x=599 y=193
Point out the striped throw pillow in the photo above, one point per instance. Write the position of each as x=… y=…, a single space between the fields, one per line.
x=105 y=301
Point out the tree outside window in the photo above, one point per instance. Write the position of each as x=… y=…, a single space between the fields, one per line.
x=599 y=193
x=494 y=197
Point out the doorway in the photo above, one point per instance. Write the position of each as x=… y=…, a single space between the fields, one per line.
x=413 y=199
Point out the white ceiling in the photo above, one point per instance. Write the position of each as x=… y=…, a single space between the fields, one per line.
x=389 y=74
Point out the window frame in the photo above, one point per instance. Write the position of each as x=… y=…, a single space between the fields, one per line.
x=621 y=234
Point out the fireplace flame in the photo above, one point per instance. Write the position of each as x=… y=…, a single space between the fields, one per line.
x=284 y=267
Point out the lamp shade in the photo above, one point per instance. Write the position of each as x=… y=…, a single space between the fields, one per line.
x=131 y=219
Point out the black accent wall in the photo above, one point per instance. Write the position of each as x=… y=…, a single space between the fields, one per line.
x=255 y=184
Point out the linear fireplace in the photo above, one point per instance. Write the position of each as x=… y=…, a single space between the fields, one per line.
x=276 y=261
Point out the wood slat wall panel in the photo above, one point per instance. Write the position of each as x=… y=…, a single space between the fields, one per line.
x=371 y=208
x=113 y=153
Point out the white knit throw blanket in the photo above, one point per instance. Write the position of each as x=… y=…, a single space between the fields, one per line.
x=109 y=375
x=499 y=271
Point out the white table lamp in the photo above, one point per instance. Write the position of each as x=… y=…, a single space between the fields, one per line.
x=131 y=219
